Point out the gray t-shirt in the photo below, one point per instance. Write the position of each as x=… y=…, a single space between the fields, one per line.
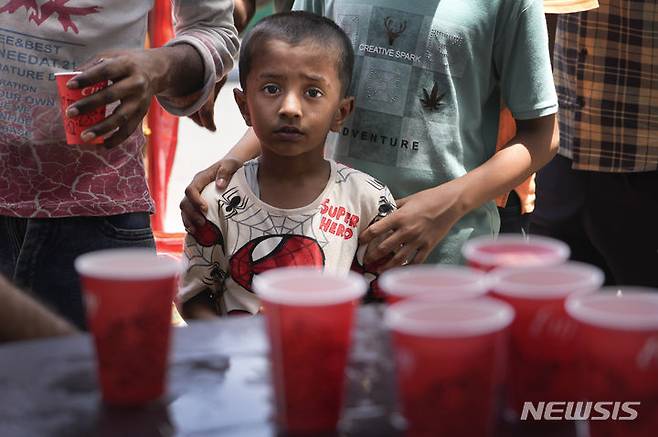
x=428 y=78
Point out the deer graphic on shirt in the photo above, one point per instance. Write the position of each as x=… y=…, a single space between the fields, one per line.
x=392 y=30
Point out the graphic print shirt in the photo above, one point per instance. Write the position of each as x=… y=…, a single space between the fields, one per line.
x=244 y=236
x=42 y=176
x=428 y=79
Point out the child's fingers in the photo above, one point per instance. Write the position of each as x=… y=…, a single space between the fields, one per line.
x=222 y=178
x=225 y=173
x=189 y=227
x=406 y=255
x=378 y=228
x=199 y=182
x=393 y=243
x=193 y=206
x=207 y=117
x=195 y=118
x=192 y=218
x=422 y=255
x=193 y=196
x=390 y=245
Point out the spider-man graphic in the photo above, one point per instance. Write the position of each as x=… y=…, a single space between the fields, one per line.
x=375 y=293
x=292 y=250
x=209 y=235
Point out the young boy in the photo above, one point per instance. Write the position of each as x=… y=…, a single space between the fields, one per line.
x=429 y=77
x=290 y=206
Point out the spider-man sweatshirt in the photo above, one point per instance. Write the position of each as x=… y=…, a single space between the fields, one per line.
x=244 y=236
x=42 y=176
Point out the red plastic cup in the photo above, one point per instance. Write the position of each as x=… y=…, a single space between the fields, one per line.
x=128 y=294
x=169 y=244
x=618 y=345
x=309 y=316
x=486 y=253
x=432 y=282
x=450 y=362
x=543 y=364
x=76 y=125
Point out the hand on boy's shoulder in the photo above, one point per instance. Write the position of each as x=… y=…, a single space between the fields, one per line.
x=193 y=204
x=213 y=190
x=227 y=167
x=206 y=231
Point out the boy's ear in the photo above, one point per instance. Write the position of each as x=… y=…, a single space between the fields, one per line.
x=241 y=100
x=345 y=108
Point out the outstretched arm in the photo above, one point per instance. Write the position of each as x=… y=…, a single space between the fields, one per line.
x=424 y=218
x=22 y=318
x=182 y=74
x=243 y=12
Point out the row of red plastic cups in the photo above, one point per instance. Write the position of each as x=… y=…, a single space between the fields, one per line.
x=451 y=343
x=569 y=339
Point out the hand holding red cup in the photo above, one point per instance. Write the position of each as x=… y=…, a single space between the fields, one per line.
x=75 y=126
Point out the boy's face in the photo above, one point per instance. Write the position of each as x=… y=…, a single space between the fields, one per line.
x=293 y=97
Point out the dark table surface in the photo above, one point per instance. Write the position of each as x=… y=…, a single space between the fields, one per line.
x=218 y=386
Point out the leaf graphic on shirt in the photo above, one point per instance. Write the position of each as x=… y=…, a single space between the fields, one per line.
x=432 y=100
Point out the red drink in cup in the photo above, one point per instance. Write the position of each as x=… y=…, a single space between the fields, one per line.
x=618 y=351
x=309 y=316
x=128 y=294
x=450 y=361
x=432 y=282
x=169 y=244
x=543 y=364
x=486 y=253
x=76 y=125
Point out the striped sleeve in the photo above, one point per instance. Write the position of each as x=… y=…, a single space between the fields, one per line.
x=206 y=25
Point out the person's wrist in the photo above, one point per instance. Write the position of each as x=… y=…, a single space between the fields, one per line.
x=160 y=71
x=171 y=67
x=460 y=199
x=236 y=159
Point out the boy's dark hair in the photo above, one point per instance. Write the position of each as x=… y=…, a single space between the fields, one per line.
x=294 y=28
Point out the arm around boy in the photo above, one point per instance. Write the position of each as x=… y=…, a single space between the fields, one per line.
x=428 y=81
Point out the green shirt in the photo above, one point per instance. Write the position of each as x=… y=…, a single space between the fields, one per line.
x=428 y=78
